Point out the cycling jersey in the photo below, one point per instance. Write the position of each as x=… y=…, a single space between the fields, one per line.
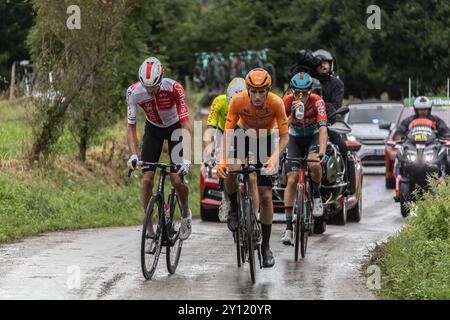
x=218 y=113
x=314 y=117
x=242 y=112
x=163 y=110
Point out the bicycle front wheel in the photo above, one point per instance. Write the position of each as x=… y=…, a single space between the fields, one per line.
x=174 y=245
x=151 y=241
x=298 y=221
x=250 y=239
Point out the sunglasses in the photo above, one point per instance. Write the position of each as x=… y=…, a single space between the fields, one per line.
x=297 y=93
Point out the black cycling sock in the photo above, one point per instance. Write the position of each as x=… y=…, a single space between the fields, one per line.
x=316 y=190
x=233 y=202
x=266 y=230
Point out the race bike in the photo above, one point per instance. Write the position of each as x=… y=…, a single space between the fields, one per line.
x=419 y=156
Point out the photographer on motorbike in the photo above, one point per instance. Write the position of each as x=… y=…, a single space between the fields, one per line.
x=320 y=65
x=422 y=109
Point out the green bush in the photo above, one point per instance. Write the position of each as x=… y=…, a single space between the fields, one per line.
x=415 y=263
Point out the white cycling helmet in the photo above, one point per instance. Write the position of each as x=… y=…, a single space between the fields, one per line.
x=422 y=102
x=236 y=85
x=151 y=72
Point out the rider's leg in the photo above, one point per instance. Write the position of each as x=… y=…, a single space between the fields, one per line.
x=254 y=192
x=182 y=193
x=266 y=217
x=316 y=177
x=151 y=150
x=231 y=187
x=296 y=149
x=289 y=197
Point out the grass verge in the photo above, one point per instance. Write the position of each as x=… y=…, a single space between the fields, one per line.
x=415 y=262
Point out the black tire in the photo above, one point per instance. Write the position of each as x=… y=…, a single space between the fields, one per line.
x=305 y=228
x=404 y=198
x=320 y=225
x=355 y=214
x=209 y=215
x=298 y=206
x=250 y=239
x=173 y=249
x=238 y=247
x=150 y=261
x=390 y=183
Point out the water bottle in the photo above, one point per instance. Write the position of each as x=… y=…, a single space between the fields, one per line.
x=299 y=113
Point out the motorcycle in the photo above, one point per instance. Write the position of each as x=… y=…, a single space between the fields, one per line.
x=419 y=156
x=342 y=202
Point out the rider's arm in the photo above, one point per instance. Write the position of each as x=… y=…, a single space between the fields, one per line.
x=131 y=129
x=230 y=123
x=183 y=115
x=402 y=129
x=212 y=121
x=337 y=96
x=282 y=122
x=443 y=130
x=322 y=119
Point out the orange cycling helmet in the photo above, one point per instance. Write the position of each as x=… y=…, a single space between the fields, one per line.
x=258 y=78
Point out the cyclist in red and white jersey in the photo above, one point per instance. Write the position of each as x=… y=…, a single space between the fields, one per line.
x=167 y=118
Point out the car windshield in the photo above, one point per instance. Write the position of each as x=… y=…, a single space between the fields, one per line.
x=373 y=113
x=441 y=112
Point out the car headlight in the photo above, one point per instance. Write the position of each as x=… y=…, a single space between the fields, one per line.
x=351 y=138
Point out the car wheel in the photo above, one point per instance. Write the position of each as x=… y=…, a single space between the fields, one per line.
x=355 y=214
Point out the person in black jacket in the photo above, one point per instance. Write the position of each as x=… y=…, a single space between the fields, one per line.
x=333 y=95
x=422 y=109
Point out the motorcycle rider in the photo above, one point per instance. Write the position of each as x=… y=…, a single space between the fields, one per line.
x=422 y=109
x=332 y=89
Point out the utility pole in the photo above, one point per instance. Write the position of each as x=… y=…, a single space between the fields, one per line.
x=12 y=87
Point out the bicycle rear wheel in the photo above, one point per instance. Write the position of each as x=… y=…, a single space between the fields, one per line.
x=174 y=245
x=250 y=239
x=151 y=245
x=298 y=206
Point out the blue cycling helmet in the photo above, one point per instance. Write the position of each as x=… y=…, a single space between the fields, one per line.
x=301 y=80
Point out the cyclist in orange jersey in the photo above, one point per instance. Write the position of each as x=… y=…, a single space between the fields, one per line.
x=250 y=122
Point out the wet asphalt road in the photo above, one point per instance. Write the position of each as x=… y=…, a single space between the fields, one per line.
x=105 y=263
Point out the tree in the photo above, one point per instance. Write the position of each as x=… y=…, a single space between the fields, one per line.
x=73 y=56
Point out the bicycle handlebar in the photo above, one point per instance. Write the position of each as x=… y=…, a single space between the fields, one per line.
x=156 y=164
